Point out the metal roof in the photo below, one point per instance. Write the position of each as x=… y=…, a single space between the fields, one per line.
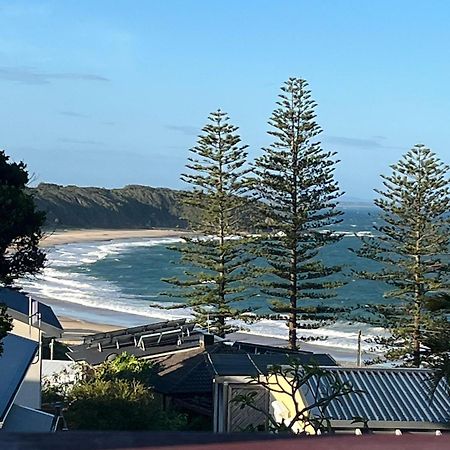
x=15 y=360
x=389 y=395
x=148 y=341
x=19 y=301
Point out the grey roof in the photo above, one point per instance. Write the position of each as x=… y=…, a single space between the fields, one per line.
x=194 y=371
x=389 y=395
x=323 y=359
x=21 y=419
x=252 y=365
x=17 y=356
x=175 y=336
x=18 y=301
x=184 y=373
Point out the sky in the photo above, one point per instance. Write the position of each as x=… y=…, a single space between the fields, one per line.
x=109 y=93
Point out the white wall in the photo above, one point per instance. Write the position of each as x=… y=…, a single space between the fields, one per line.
x=29 y=394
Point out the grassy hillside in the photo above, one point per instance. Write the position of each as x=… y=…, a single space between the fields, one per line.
x=91 y=207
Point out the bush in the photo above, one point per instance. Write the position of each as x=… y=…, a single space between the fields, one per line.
x=117 y=395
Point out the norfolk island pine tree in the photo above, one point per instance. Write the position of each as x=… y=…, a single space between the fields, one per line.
x=215 y=282
x=412 y=246
x=296 y=185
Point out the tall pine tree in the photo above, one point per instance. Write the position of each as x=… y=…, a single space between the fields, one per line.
x=215 y=281
x=296 y=184
x=412 y=245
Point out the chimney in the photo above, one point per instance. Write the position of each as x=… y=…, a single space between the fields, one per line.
x=206 y=340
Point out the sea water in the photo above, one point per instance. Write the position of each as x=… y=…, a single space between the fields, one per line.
x=123 y=277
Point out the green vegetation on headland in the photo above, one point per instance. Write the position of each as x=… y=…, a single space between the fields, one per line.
x=93 y=207
x=130 y=207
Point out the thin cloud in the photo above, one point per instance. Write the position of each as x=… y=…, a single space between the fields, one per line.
x=185 y=129
x=73 y=114
x=79 y=141
x=375 y=142
x=29 y=75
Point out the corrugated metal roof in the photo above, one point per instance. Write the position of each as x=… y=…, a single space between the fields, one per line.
x=17 y=355
x=389 y=395
x=18 y=301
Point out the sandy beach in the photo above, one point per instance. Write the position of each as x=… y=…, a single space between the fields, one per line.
x=76 y=329
x=61 y=237
x=78 y=320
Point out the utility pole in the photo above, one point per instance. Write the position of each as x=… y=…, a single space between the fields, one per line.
x=359 y=354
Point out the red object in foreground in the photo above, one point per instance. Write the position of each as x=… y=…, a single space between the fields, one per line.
x=209 y=441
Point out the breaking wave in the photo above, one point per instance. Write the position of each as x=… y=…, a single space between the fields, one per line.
x=73 y=277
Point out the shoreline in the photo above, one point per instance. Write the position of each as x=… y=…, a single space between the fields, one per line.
x=76 y=328
x=80 y=320
x=73 y=236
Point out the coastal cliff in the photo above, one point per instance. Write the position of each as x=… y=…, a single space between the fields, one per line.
x=129 y=207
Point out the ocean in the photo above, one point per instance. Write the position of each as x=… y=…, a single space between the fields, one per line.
x=119 y=282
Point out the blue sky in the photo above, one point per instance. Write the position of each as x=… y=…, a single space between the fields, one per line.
x=108 y=93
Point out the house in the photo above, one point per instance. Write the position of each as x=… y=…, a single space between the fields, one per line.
x=187 y=359
x=395 y=400
x=25 y=310
x=32 y=320
x=19 y=354
x=146 y=341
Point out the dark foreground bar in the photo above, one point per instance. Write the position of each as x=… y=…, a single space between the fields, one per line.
x=209 y=441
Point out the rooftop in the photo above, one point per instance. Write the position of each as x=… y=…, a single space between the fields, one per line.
x=145 y=341
x=396 y=395
x=15 y=360
x=18 y=303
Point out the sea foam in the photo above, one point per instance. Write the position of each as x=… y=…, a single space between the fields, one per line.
x=68 y=278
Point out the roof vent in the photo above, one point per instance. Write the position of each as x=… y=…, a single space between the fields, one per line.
x=206 y=340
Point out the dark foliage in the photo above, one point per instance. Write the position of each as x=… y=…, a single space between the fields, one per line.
x=295 y=181
x=411 y=245
x=20 y=230
x=218 y=280
x=117 y=395
x=20 y=224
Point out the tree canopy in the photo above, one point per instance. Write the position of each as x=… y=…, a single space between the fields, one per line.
x=20 y=230
x=116 y=395
x=295 y=180
x=20 y=224
x=411 y=245
x=216 y=281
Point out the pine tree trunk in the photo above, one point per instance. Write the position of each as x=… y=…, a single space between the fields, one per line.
x=293 y=274
x=417 y=310
x=416 y=339
x=293 y=303
x=222 y=206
